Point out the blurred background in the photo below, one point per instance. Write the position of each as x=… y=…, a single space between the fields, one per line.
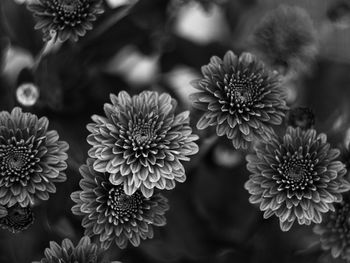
x=161 y=45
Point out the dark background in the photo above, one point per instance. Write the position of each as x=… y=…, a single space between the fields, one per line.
x=157 y=45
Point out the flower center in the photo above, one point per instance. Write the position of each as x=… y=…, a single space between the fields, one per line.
x=241 y=91
x=143 y=135
x=15 y=158
x=123 y=205
x=70 y=5
x=16 y=162
x=297 y=172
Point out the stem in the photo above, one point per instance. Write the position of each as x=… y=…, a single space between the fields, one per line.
x=47 y=48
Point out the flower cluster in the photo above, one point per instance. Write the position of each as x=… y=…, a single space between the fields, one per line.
x=240 y=97
x=67 y=19
x=334 y=231
x=85 y=251
x=286 y=39
x=32 y=159
x=141 y=142
x=296 y=177
x=112 y=215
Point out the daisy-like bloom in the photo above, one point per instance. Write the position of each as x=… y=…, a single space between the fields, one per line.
x=66 y=19
x=17 y=218
x=240 y=97
x=296 y=177
x=32 y=158
x=84 y=251
x=112 y=215
x=301 y=117
x=286 y=38
x=141 y=142
x=334 y=231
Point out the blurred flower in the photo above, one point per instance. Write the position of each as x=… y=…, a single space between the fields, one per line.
x=240 y=97
x=286 y=38
x=339 y=14
x=112 y=215
x=334 y=231
x=302 y=117
x=17 y=219
x=27 y=94
x=85 y=251
x=206 y=4
x=296 y=177
x=32 y=158
x=67 y=19
x=141 y=142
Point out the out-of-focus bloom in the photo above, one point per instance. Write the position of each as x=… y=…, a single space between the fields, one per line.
x=32 y=158
x=296 y=177
x=66 y=19
x=84 y=252
x=286 y=38
x=141 y=142
x=301 y=117
x=17 y=218
x=206 y=4
x=27 y=94
x=112 y=215
x=334 y=231
x=339 y=14
x=240 y=97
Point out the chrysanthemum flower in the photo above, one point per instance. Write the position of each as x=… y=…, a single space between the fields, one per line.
x=68 y=19
x=301 y=117
x=141 y=142
x=240 y=97
x=296 y=177
x=17 y=218
x=112 y=215
x=84 y=252
x=32 y=158
x=334 y=231
x=286 y=38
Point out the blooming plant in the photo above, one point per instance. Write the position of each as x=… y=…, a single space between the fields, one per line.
x=194 y=128
x=111 y=214
x=141 y=142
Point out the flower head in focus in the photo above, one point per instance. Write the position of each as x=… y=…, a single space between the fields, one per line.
x=240 y=97
x=286 y=38
x=68 y=19
x=296 y=177
x=112 y=215
x=32 y=159
x=334 y=231
x=16 y=218
x=141 y=142
x=83 y=252
x=301 y=117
